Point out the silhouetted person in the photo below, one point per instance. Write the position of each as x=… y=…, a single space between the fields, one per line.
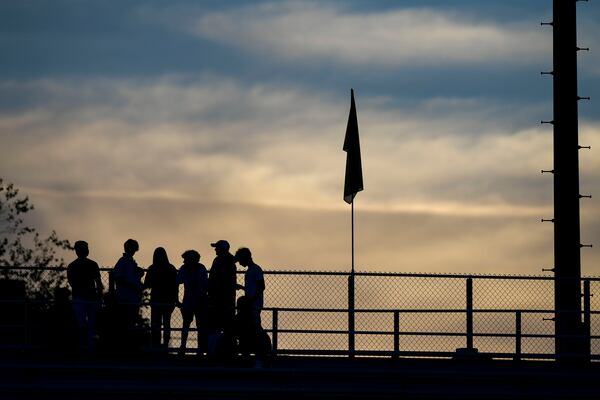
x=128 y=289
x=194 y=278
x=83 y=275
x=62 y=330
x=254 y=288
x=243 y=325
x=161 y=278
x=254 y=283
x=110 y=329
x=221 y=288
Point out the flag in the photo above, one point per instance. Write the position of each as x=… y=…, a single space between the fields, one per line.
x=354 y=180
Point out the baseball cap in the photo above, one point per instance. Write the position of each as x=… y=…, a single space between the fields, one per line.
x=222 y=244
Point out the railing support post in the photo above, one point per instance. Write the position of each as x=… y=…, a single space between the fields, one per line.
x=27 y=327
x=587 y=318
x=518 y=336
x=469 y=313
x=274 y=328
x=351 y=315
x=396 y=334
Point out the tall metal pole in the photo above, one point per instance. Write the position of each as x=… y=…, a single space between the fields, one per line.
x=351 y=299
x=352 y=206
x=567 y=258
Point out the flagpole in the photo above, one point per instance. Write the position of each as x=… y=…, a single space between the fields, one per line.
x=352 y=212
x=351 y=299
x=353 y=184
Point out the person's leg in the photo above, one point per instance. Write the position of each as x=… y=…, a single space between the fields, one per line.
x=131 y=315
x=92 y=316
x=256 y=320
x=79 y=310
x=202 y=332
x=166 y=322
x=218 y=317
x=185 y=328
x=256 y=337
x=155 y=319
x=229 y=318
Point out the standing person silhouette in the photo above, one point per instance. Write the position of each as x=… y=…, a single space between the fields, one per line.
x=83 y=275
x=128 y=289
x=254 y=288
x=161 y=279
x=194 y=277
x=221 y=288
x=254 y=283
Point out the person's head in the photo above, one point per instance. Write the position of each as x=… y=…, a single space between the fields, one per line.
x=81 y=249
x=243 y=256
x=130 y=247
x=242 y=303
x=221 y=247
x=190 y=257
x=160 y=256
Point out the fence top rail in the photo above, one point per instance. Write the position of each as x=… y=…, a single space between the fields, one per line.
x=356 y=274
x=417 y=310
x=356 y=311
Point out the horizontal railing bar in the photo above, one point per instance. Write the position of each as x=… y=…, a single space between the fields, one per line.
x=345 y=310
x=371 y=333
x=381 y=333
x=425 y=333
x=442 y=354
x=357 y=274
x=415 y=310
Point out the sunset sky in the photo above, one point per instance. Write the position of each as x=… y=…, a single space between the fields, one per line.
x=183 y=122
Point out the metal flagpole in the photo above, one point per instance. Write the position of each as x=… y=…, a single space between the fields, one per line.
x=351 y=306
x=353 y=236
x=353 y=184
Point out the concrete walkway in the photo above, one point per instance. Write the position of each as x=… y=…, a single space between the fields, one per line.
x=287 y=378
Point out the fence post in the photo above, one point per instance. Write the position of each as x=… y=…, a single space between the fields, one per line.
x=351 y=328
x=27 y=326
x=396 y=334
x=587 y=318
x=274 y=329
x=469 y=313
x=518 y=336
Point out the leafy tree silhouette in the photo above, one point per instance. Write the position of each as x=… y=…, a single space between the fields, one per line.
x=21 y=245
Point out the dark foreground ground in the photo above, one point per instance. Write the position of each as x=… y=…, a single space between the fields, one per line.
x=287 y=378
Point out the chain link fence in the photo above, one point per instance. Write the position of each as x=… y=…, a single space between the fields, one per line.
x=387 y=314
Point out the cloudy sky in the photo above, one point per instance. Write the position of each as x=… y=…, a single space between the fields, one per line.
x=179 y=123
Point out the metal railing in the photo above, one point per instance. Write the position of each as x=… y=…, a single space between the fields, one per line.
x=403 y=314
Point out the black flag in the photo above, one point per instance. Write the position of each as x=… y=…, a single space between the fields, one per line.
x=354 y=180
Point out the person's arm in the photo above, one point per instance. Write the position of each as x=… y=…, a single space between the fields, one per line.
x=98 y=279
x=70 y=275
x=213 y=279
x=148 y=280
x=172 y=284
x=180 y=278
x=233 y=276
x=203 y=281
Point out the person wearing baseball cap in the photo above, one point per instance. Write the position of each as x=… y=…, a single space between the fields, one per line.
x=221 y=244
x=221 y=288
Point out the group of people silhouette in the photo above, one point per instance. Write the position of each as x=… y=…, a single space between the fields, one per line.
x=209 y=298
